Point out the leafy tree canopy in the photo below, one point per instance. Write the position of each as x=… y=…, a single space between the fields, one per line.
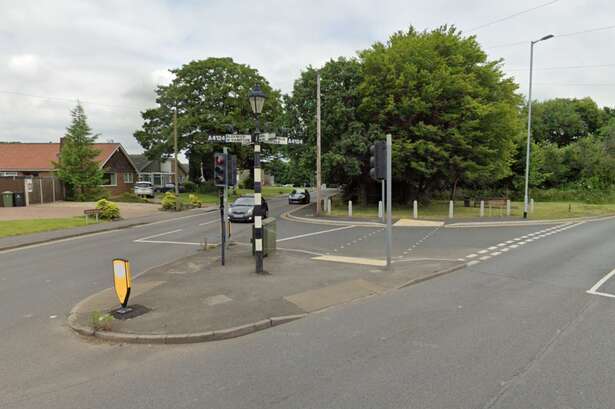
x=211 y=97
x=77 y=166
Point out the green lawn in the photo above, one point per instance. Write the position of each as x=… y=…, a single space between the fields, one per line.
x=213 y=198
x=18 y=227
x=438 y=210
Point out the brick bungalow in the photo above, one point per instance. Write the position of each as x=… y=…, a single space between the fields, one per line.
x=36 y=159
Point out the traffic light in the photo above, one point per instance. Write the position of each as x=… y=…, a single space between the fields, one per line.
x=377 y=160
x=232 y=171
x=219 y=169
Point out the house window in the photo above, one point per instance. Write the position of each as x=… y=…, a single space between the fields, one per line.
x=128 y=178
x=8 y=173
x=109 y=179
x=158 y=179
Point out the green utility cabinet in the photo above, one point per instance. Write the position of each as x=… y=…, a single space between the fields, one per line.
x=270 y=237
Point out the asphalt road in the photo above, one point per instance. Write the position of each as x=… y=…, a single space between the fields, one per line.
x=515 y=330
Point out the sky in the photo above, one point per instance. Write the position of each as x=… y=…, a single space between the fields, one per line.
x=111 y=54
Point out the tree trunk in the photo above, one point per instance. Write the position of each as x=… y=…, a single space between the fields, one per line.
x=454 y=189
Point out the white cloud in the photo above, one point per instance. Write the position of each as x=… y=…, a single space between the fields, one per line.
x=24 y=64
x=162 y=77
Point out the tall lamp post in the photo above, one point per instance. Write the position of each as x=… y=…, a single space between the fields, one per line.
x=257 y=100
x=529 y=126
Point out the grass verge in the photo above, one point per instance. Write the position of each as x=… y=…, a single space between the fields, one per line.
x=27 y=226
x=438 y=210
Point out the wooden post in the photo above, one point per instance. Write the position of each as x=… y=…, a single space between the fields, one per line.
x=40 y=185
x=350 y=208
x=415 y=209
x=450 y=209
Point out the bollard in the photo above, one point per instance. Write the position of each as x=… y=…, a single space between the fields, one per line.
x=415 y=209
x=350 y=208
x=531 y=205
x=329 y=207
x=380 y=212
x=450 y=209
x=507 y=207
x=482 y=208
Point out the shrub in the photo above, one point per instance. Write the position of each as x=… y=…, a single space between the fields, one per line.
x=108 y=210
x=194 y=200
x=169 y=201
x=189 y=186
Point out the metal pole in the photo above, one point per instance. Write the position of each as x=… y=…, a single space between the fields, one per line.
x=389 y=189
x=177 y=201
x=258 y=218
x=318 y=170
x=222 y=227
x=529 y=133
x=226 y=178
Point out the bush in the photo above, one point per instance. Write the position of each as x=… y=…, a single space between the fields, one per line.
x=169 y=201
x=189 y=186
x=129 y=197
x=194 y=200
x=108 y=210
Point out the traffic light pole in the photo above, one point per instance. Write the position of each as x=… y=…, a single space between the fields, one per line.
x=389 y=189
x=258 y=218
x=227 y=165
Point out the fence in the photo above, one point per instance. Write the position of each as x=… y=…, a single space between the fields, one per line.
x=43 y=189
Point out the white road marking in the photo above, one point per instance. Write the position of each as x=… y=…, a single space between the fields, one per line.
x=169 y=242
x=483 y=258
x=492 y=248
x=209 y=222
x=594 y=289
x=471 y=255
x=496 y=253
x=316 y=233
x=473 y=262
x=171 y=220
x=514 y=246
x=482 y=251
x=157 y=235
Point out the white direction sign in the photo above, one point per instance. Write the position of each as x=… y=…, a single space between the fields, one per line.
x=269 y=138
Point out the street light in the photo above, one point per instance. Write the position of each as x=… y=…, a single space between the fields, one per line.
x=257 y=100
x=529 y=125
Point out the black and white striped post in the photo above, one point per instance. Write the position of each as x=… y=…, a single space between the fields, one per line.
x=257 y=100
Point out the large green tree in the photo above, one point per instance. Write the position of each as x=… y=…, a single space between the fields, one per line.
x=564 y=120
x=451 y=111
x=344 y=138
x=211 y=97
x=77 y=166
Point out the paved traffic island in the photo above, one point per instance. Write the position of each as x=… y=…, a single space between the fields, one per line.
x=196 y=300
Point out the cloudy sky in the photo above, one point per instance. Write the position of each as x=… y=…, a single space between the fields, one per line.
x=110 y=54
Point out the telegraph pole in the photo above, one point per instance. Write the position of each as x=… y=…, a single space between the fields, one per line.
x=318 y=171
x=389 y=189
x=177 y=201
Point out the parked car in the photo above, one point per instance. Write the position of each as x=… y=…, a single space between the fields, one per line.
x=170 y=187
x=144 y=188
x=299 y=196
x=242 y=209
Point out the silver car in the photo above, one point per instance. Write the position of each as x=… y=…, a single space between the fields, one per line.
x=144 y=188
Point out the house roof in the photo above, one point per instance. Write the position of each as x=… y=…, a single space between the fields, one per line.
x=140 y=161
x=40 y=156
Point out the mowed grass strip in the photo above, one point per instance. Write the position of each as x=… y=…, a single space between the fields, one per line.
x=27 y=226
x=438 y=210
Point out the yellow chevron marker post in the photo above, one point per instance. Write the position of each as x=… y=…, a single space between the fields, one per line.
x=122 y=281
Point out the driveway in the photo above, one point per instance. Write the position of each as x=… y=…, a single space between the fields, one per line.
x=71 y=209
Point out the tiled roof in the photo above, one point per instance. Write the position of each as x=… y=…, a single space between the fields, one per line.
x=40 y=156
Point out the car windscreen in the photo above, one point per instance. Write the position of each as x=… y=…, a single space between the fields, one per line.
x=244 y=201
x=297 y=192
x=143 y=184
